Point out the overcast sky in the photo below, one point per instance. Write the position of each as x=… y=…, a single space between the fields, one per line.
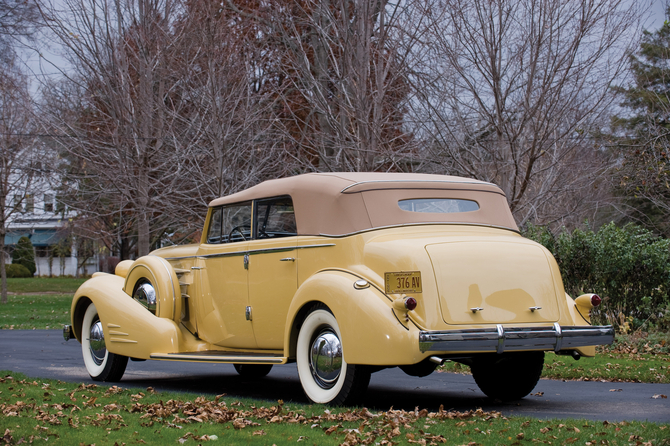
x=45 y=61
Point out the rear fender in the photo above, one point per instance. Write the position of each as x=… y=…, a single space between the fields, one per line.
x=578 y=319
x=371 y=333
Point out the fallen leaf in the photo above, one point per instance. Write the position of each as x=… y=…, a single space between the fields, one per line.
x=659 y=396
x=616 y=390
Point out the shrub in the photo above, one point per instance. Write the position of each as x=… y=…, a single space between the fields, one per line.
x=629 y=267
x=17 y=270
x=25 y=255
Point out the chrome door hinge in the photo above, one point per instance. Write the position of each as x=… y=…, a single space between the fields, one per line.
x=247 y=313
x=246 y=261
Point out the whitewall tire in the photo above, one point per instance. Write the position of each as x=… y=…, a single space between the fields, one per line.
x=325 y=376
x=100 y=363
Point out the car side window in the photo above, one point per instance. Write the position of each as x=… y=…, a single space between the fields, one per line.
x=236 y=223
x=214 y=232
x=275 y=218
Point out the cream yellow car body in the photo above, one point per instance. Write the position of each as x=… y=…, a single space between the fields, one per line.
x=244 y=302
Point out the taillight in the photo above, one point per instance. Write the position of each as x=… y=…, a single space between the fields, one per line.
x=410 y=303
x=595 y=300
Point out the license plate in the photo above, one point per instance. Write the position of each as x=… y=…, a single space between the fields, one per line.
x=403 y=282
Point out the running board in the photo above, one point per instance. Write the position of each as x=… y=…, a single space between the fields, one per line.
x=225 y=357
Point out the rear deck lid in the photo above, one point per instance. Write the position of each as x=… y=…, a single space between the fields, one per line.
x=494 y=282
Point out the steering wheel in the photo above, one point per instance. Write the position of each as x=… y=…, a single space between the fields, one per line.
x=238 y=229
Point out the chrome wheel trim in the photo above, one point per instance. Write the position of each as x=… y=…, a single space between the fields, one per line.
x=96 y=342
x=325 y=358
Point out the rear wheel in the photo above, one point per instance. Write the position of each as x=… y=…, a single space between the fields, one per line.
x=253 y=370
x=100 y=364
x=324 y=374
x=509 y=376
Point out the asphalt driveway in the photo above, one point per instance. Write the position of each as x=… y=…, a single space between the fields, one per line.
x=44 y=354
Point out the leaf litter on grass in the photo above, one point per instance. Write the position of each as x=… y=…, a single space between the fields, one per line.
x=65 y=408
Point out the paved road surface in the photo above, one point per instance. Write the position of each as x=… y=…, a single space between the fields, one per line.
x=44 y=354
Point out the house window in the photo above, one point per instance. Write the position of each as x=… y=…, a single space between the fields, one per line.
x=48 y=203
x=60 y=206
x=18 y=205
x=30 y=203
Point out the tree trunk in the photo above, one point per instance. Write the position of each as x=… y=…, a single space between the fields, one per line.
x=3 y=271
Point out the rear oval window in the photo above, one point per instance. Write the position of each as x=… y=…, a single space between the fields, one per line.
x=438 y=205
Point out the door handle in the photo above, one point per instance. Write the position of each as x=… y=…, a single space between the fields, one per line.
x=287 y=259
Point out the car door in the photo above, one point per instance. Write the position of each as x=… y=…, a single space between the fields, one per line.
x=273 y=278
x=222 y=311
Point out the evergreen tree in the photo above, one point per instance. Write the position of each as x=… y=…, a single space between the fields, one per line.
x=24 y=254
x=644 y=175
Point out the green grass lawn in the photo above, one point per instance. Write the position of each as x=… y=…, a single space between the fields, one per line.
x=35 y=311
x=613 y=367
x=44 y=285
x=41 y=411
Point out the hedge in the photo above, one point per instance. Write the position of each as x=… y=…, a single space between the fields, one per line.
x=629 y=267
x=15 y=270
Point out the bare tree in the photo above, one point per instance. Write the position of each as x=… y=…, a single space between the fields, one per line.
x=125 y=156
x=512 y=92
x=17 y=22
x=232 y=100
x=341 y=79
x=16 y=152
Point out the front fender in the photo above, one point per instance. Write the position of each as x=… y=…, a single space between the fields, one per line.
x=371 y=333
x=129 y=328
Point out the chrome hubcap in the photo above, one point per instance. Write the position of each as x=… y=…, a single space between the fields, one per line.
x=97 y=343
x=146 y=295
x=325 y=358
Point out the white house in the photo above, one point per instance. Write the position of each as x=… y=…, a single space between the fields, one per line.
x=45 y=222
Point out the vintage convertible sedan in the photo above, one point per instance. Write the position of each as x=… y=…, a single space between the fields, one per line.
x=344 y=274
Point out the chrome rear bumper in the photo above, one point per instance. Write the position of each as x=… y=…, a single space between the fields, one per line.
x=501 y=339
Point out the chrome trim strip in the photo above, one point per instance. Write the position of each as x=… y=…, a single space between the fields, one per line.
x=501 y=339
x=427 y=182
x=222 y=358
x=223 y=254
x=250 y=252
x=430 y=223
x=321 y=245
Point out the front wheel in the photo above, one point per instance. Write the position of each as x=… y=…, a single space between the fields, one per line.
x=325 y=376
x=509 y=376
x=100 y=364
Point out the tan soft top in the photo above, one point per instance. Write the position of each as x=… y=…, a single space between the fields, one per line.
x=342 y=203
